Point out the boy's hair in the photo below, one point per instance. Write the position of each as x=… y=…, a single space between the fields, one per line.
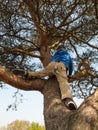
x=61 y=47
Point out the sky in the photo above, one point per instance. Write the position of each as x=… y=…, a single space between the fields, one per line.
x=30 y=110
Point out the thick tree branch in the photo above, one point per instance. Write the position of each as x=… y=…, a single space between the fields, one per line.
x=17 y=82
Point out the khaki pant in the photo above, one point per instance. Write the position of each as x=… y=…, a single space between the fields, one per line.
x=59 y=70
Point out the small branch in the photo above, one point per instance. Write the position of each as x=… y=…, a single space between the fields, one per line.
x=81 y=74
x=81 y=40
x=68 y=15
x=75 y=49
x=24 y=39
x=24 y=52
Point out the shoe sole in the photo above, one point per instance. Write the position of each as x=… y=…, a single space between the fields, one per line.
x=19 y=72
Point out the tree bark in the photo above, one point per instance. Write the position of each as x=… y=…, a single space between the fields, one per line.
x=58 y=117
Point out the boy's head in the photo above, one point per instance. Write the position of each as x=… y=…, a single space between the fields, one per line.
x=61 y=47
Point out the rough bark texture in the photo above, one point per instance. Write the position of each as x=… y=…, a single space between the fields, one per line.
x=58 y=117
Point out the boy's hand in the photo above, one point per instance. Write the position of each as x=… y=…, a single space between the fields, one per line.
x=69 y=76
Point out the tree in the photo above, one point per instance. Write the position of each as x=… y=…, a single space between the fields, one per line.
x=33 y=29
x=23 y=125
x=36 y=126
x=18 y=125
x=2 y=128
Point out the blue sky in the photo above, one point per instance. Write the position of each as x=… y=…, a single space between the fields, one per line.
x=30 y=110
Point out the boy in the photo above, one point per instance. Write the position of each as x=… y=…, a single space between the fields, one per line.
x=60 y=65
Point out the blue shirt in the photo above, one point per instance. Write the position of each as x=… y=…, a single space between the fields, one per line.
x=64 y=57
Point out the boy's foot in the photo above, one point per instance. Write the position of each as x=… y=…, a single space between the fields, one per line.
x=22 y=73
x=19 y=72
x=70 y=103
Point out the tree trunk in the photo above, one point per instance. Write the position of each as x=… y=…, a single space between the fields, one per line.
x=58 y=117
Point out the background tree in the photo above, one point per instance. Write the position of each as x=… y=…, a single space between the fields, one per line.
x=3 y=128
x=18 y=125
x=33 y=29
x=36 y=126
x=23 y=125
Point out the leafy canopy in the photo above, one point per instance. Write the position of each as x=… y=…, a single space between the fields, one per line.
x=73 y=23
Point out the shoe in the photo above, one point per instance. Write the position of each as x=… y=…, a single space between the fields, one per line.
x=70 y=103
x=19 y=72
x=22 y=73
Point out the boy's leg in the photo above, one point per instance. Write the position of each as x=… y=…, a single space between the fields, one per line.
x=63 y=82
x=48 y=71
x=66 y=94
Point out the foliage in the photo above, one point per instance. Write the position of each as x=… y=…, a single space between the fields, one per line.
x=72 y=23
x=36 y=126
x=3 y=128
x=18 y=125
x=23 y=125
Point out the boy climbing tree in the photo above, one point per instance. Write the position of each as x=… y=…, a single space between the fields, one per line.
x=60 y=66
